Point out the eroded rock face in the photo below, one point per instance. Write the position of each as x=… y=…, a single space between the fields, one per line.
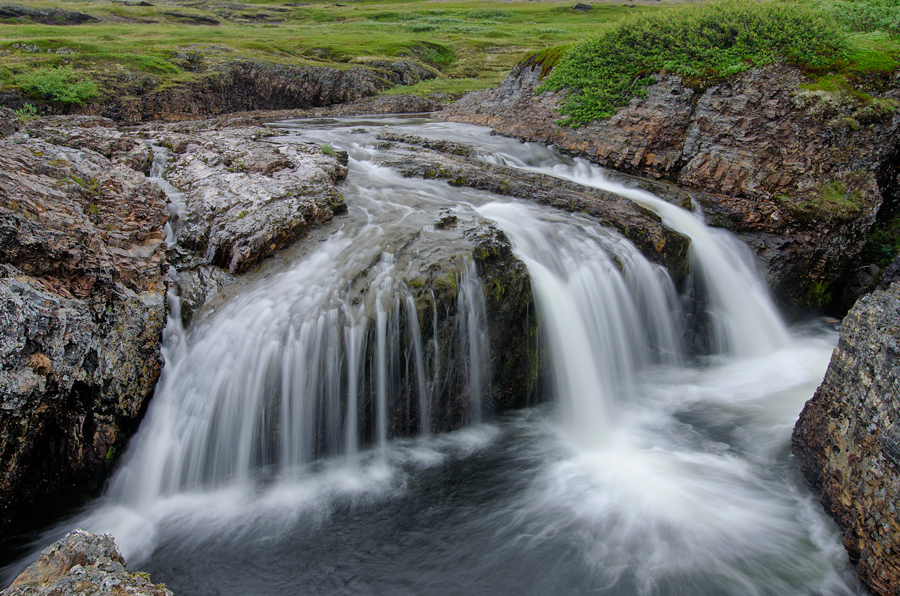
x=82 y=564
x=81 y=312
x=800 y=175
x=847 y=439
x=246 y=86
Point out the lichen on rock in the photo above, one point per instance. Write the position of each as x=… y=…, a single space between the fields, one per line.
x=82 y=307
x=82 y=564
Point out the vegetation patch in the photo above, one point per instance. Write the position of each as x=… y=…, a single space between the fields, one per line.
x=832 y=200
x=129 y=49
x=705 y=42
x=61 y=84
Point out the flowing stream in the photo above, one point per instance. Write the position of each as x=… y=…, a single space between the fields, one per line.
x=266 y=463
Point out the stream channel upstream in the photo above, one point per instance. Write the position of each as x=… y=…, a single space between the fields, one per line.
x=647 y=470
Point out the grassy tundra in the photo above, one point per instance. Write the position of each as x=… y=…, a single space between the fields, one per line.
x=470 y=44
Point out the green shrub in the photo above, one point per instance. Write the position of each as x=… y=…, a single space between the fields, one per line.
x=703 y=42
x=27 y=112
x=866 y=16
x=61 y=84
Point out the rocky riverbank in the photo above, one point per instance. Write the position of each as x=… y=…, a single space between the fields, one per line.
x=83 y=306
x=801 y=175
x=847 y=439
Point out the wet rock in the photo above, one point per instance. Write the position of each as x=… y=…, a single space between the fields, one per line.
x=776 y=164
x=82 y=564
x=847 y=439
x=644 y=228
x=246 y=196
x=81 y=312
x=434 y=265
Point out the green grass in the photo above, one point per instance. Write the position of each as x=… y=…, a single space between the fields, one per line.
x=472 y=43
x=704 y=43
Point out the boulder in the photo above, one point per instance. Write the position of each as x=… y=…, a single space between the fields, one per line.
x=82 y=564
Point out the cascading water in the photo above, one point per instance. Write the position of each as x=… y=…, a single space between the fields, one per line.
x=653 y=474
x=608 y=313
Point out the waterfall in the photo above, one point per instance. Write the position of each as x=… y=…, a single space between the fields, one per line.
x=303 y=366
x=276 y=456
x=745 y=322
x=607 y=312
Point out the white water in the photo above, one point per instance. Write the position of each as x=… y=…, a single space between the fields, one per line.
x=608 y=313
x=651 y=475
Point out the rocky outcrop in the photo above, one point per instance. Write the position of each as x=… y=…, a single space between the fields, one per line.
x=250 y=86
x=243 y=196
x=847 y=439
x=800 y=175
x=82 y=564
x=423 y=158
x=45 y=16
x=82 y=307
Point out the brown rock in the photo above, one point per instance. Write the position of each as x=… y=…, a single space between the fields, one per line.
x=847 y=439
x=82 y=564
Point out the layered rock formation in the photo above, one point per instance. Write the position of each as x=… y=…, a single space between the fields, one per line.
x=245 y=86
x=800 y=175
x=82 y=259
x=449 y=161
x=82 y=564
x=243 y=196
x=847 y=439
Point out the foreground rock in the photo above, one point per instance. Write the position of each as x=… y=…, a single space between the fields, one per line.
x=847 y=439
x=82 y=308
x=800 y=175
x=82 y=564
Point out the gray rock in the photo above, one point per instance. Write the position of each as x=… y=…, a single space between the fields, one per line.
x=82 y=293
x=82 y=564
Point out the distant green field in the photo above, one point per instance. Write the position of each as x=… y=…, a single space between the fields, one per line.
x=473 y=44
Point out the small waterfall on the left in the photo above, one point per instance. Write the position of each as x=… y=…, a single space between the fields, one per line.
x=304 y=369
